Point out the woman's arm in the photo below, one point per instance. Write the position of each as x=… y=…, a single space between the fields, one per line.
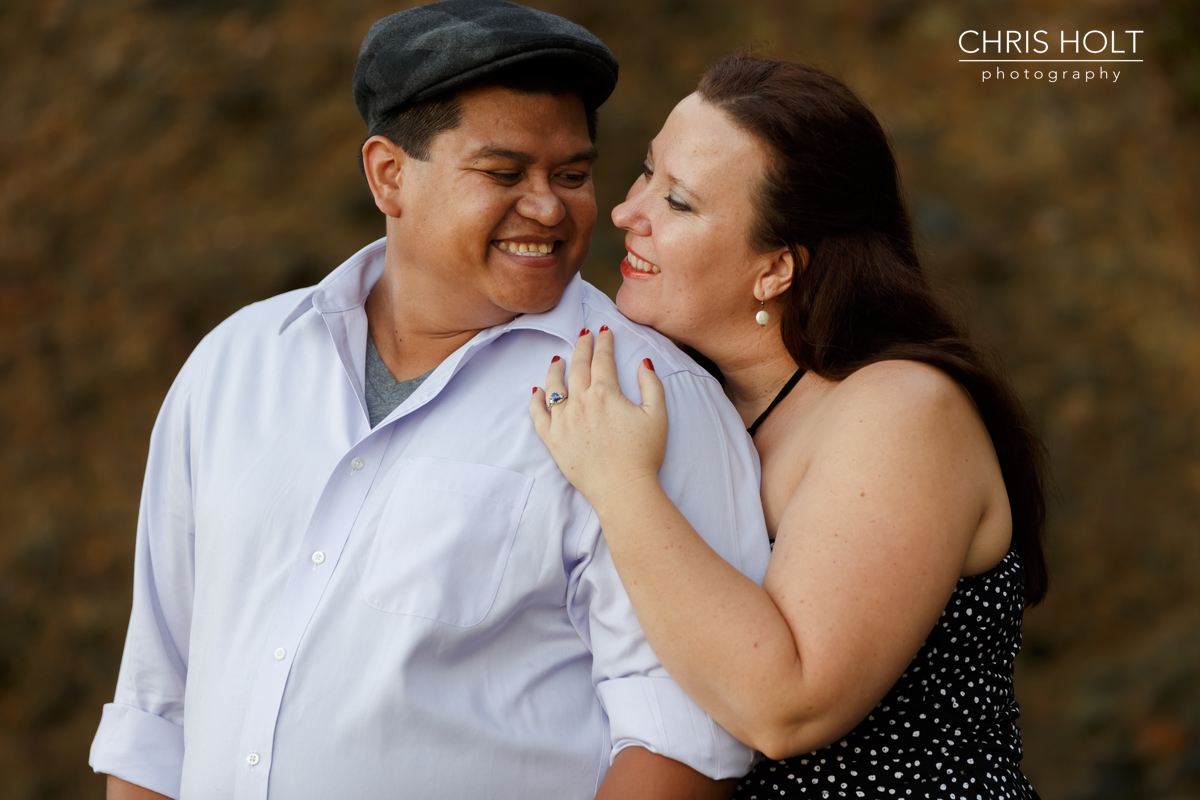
x=868 y=550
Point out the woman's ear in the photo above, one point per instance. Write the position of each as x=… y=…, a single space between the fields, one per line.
x=779 y=272
x=383 y=163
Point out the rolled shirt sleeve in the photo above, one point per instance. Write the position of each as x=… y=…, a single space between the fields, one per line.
x=139 y=747
x=711 y=473
x=140 y=738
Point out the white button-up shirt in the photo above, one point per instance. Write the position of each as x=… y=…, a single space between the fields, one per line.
x=423 y=609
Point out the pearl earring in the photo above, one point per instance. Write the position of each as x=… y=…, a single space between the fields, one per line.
x=762 y=317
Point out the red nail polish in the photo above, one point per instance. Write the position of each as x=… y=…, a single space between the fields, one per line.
x=535 y=390
x=584 y=332
x=603 y=328
x=556 y=358
x=649 y=364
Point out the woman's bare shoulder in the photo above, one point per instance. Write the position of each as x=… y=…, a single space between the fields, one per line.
x=888 y=415
x=913 y=381
x=899 y=389
x=898 y=400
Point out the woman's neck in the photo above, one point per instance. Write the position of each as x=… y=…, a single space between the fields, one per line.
x=755 y=375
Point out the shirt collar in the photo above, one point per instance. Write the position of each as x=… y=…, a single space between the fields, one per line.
x=347 y=287
x=564 y=320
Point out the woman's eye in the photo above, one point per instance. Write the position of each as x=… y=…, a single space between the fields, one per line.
x=647 y=170
x=506 y=177
x=676 y=204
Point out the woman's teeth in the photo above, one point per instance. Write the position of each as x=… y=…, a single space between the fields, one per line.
x=640 y=265
x=526 y=248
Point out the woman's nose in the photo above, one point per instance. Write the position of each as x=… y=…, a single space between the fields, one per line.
x=628 y=216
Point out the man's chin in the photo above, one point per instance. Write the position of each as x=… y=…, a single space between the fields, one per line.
x=531 y=306
x=531 y=298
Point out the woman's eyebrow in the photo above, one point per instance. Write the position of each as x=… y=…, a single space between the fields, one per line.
x=682 y=185
x=671 y=178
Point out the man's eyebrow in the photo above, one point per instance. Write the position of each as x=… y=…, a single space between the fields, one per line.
x=589 y=155
x=493 y=151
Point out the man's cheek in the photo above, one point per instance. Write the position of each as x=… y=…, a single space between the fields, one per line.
x=583 y=212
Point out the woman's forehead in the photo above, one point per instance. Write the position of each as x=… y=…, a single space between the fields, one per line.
x=700 y=145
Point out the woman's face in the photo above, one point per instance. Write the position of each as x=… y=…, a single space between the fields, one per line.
x=690 y=271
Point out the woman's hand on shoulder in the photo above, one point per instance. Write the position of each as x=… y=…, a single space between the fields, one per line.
x=601 y=441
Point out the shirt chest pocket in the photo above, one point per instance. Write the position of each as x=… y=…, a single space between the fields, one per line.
x=444 y=540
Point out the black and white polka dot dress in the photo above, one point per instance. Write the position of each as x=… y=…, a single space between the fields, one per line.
x=947 y=729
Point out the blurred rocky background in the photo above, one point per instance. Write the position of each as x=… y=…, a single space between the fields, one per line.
x=164 y=162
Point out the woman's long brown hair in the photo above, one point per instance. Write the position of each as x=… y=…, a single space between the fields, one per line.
x=834 y=188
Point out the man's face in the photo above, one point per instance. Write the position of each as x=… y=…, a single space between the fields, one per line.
x=499 y=219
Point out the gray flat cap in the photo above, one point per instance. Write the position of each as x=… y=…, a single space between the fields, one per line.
x=416 y=54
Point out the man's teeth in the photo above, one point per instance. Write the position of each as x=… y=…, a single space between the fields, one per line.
x=640 y=265
x=526 y=248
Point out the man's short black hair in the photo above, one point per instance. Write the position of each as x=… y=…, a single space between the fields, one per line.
x=414 y=127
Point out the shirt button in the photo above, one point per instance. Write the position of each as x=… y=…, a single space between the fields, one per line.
x=318 y=557
x=357 y=464
x=252 y=759
x=279 y=655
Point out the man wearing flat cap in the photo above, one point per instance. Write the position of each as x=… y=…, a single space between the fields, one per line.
x=359 y=573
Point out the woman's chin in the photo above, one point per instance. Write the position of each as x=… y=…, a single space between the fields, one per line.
x=635 y=309
x=643 y=314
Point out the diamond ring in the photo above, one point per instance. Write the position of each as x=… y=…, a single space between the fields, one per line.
x=555 y=399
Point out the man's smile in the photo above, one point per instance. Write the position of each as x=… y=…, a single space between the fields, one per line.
x=528 y=247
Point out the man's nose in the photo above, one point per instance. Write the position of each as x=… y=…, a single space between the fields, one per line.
x=541 y=204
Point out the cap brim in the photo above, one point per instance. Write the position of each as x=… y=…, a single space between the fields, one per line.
x=596 y=79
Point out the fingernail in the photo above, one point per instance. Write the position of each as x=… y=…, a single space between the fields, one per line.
x=535 y=390
x=603 y=328
x=556 y=358
x=649 y=364
x=584 y=332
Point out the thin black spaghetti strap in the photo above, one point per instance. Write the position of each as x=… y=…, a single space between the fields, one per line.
x=787 y=387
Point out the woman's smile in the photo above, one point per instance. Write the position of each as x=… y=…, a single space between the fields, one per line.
x=634 y=266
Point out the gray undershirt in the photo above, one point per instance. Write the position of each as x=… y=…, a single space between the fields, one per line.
x=385 y=393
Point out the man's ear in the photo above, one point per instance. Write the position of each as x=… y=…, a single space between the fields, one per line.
x=383 y=165
x=779 y=272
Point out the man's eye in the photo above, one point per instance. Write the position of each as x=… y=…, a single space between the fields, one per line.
x=506 y=177
x=676 y=204
x=573 y=178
